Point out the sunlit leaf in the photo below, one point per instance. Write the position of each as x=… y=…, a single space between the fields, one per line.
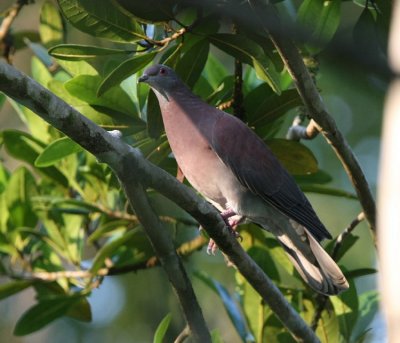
x=56 y=151
x=27 y=148
x=77 y=52
x=84 y=87
x=105 y=21
x=162 y=328
x=50 y=28
x=124 y=70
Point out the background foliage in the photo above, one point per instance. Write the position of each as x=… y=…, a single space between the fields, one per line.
x=63 y=211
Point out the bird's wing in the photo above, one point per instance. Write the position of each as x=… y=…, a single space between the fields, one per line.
x=258 y=169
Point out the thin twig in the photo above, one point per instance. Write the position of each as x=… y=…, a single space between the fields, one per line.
x=297 y=131
x=5 y=27
x=183 y=335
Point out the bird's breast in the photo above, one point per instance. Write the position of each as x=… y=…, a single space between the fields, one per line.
x=197 y=160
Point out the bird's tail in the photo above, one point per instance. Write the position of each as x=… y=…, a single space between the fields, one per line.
x=314 y=264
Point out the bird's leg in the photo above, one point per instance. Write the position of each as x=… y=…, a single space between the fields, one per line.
x=232 y=220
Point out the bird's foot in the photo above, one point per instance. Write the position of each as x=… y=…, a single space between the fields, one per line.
x=232 y=221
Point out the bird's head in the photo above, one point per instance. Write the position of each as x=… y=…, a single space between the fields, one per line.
x=161 y=78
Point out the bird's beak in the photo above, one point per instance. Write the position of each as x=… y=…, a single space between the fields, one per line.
x=143 y=78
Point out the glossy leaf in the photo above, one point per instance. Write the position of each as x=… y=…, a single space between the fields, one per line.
x=295 y=157
x=84 y=87
x=230 y=305
x=247 y=51
x=151 y=11
x=261 y=256
x=124 y=70
x=56 y=151
x=77 y=52
x=190 y=66
x=51 y=27
x=26 y=148
x=105 y=21
x=162 y=328
x=43 y=313
x=320 y=19
x=13 y=287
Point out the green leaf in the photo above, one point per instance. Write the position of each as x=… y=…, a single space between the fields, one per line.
x=20 y=188
x=80 y=310
x=105 y=21
x=261 y=256
x=295 y=157
x=108 y=249
x=346 y=309
x=43 y=313
x=264 y=107
x=352 y=274
x=56 y=151
x=124 y=70
x=320 y=177
x=190 y=66
x=162 y=328
x=13 y=287
x=344 y=247
x=24 y=147
x=51 y=28
x=4 y=177
x=230 y=305
x=321 y=20
x=248 y=52
x=152 y=11
x=216 y=336
x=77 y=52
x=155 y=125
x=368 y=307
x=84 y=87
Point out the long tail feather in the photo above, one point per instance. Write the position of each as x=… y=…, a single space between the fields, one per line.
x=314 y=264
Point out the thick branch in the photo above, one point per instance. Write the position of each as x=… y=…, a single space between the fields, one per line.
x=123 y=158
x=326 y=124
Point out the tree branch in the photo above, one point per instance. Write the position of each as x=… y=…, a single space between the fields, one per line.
x=325 y=123
x=108 y=148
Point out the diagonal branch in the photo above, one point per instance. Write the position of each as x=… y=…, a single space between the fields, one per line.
x=108 y=148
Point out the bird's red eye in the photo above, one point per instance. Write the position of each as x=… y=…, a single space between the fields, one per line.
x=163 y=71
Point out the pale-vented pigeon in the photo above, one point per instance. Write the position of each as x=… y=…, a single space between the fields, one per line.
x=232 y=168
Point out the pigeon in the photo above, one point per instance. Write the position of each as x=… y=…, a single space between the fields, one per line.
x=228 y=164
